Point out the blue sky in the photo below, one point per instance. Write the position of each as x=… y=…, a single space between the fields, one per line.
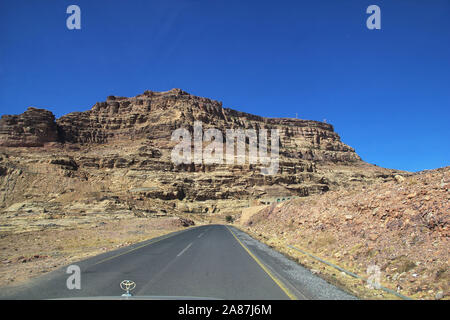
x=387 y=92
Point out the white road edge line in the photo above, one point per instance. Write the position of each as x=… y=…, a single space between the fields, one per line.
x=184 y=249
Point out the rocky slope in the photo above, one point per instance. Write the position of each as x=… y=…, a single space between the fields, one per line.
x=400 y=226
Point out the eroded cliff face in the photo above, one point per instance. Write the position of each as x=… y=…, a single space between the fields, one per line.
x=33 y=128
x=121 y=148
x=155 y=115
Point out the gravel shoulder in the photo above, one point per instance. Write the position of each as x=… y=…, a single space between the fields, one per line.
x=298 y=279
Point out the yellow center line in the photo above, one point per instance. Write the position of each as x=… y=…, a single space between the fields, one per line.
x=273 y=277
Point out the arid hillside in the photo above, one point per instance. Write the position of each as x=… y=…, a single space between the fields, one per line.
x=401 y=226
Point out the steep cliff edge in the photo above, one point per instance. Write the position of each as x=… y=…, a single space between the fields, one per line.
x=33 y=128
x=155 y=115
x=122 y=148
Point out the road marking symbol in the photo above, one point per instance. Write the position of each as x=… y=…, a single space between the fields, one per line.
x=275 y=279
x=190 y=244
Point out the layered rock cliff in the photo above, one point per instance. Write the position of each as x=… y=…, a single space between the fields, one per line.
x=121 y=147
x=155 y=115
x=33 y=128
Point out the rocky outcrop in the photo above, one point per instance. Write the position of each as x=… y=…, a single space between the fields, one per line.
x=122 y=147
x=155 y=115
x=33 y=128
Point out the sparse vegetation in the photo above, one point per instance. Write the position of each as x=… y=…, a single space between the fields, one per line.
x=229 y=219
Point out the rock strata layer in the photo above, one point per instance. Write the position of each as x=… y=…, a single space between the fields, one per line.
x=33 y=128
x=122 y=147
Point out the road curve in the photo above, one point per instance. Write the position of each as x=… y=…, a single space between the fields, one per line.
x=211 y=261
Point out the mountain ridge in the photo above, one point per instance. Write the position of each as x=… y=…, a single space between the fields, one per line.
x=122 y=147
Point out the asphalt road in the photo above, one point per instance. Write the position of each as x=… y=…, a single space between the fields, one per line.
x=212 y=261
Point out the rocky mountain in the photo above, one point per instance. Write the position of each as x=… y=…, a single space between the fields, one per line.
x=97 y=171
x=120 y=149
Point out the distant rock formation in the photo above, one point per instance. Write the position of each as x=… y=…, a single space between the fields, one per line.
x=155 y=115
x=122 y=147
x=33 y=128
